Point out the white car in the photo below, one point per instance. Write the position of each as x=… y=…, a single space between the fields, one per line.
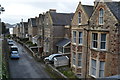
x=15 y=55
x=50 y=59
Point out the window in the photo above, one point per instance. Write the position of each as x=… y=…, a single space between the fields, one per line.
x=103 y=41
x=74 y=58
x=79 y=59
x=101 y=69
x=93 y=67
x=101 y=13
x=94 y=40
x=60 y=49
x=79 y=18
x=80 y=37
x=74 y=36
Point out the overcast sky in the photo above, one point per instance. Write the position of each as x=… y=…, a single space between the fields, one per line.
x=15 y=10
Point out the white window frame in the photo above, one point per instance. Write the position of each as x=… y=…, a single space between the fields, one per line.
x=74 y=38
x=97 y=68
x=94 y=68
x=74 y=59
x=101 y=16
x=94 y=41
x=103 y=41
x=80 y=60
x=80 y=38
x=101 y=69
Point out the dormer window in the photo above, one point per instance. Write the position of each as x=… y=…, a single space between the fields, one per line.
x=79 y=18
x=101 y=13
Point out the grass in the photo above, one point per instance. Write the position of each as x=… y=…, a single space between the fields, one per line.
x=67 y=71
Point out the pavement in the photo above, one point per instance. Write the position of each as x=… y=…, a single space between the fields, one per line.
x=26 y=66
x=0 y=58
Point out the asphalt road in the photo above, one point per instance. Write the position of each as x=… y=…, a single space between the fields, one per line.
x=26 y=66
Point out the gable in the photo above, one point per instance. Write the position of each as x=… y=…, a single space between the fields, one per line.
x=86 y=12
x=108 y=15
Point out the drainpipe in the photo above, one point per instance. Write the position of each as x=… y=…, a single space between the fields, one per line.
x=87 y=52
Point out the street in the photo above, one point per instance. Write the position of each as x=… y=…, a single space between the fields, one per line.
x=26 y=66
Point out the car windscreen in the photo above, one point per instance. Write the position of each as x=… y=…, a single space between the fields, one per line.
x=14 y=49
x=14 y=53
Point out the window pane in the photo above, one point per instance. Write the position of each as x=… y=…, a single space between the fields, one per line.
x=101 y=69
x=102 y=65
x=103 y=45
x=79 y=59
x=80 y=37
x=79 y=17
x=103 y=37
x=74 y=36
x=93 y=71
x=79 y=14
x=101 y=12
x=103 y=41
x=93 y=67
x=94 y=39
x=94 y=36
x=101 y=74
x=74 y=58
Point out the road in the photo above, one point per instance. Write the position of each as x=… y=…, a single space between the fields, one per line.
x=26 y=66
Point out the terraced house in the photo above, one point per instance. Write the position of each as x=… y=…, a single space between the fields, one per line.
x=32 y=28
x=96 y=39
x=54 y=29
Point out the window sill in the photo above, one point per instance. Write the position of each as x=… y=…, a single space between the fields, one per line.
x=92 y=76
x=80 y=44
x=74 y=66
x=79 y=66
x=101 y=50
x=74 y=43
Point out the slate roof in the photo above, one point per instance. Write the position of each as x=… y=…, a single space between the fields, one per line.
x=61 y=18
x=25 y=24
x=63 y=42
x=33 y=22
x=115 y=8
x=114 y=77
x=88 y=9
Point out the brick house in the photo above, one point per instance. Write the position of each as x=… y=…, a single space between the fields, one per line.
x=32 y=28
x=40 y=30
x=25 y=29
x=16 y=30
x=54 y=29
x=78 y=44
x=104 y=39
x=100 y=51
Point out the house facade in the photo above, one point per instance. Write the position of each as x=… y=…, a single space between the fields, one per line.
x=104 y=40
x=79 y=38
x=54 y=29
x=96 y=40
x=32 y=28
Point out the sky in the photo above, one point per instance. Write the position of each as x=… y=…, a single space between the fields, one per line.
x=15 y=10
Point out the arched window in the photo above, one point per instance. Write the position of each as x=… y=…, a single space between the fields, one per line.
x=79 y=18
x=101 y=14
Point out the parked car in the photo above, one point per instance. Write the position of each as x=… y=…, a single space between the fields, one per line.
x=14 y=48
x=10 y=42
x=15 y=55
x=50 y=59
